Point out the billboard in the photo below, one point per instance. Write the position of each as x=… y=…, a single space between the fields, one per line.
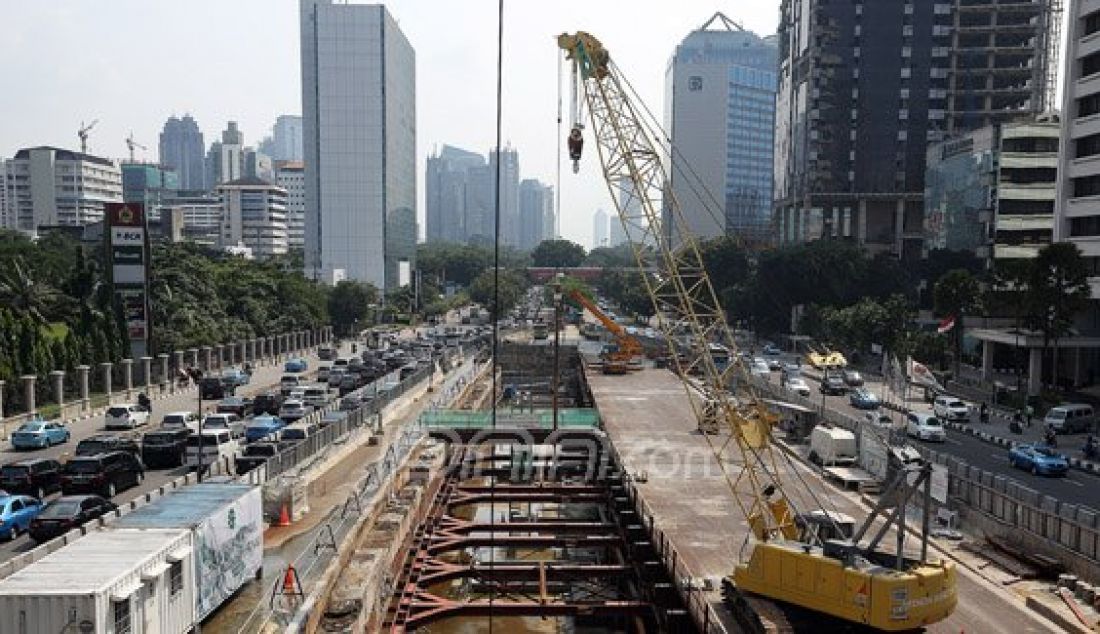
x=128 y=253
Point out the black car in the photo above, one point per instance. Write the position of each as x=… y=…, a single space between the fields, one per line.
x=241 y=406
x=105 y=474
x=267 y=403
x=163 y=448
x=37 y=478
x=833 y=384
x=257 y=453
x=212 y=388
x=101 y=443
x=66 y=513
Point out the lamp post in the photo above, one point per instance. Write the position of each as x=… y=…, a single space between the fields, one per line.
x=557 y=349
x=199 y=469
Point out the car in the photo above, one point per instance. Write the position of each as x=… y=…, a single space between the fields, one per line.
x=832 y=384
x=924 y=426
x=208 y=448
x=316 y=395
x=212 y=388
x=267 y=403
x=298 y=432
x=100 y=443
x=66 y=513
x=350 y=403
x=332 y=418
x=125 y=416
x=799 y=386
x=229 y=422
x=1038 y=459
x=759 y=367
x=950 y=408
x=862 y=398
x=39 y=477
x=163 y=448
x=180 y=420
x=241 y=406
x=16 y=514
x=256 y=454
x=322 y=373
x=772 y=350
x=105 y=474
x=297 y=364
x=39 y=434
x=262 y=427
x=336 y=377
x=325 y=353
x=878 y=418
x=236 y=377
x=1069 y=418
x=349 y=384
x=852 y=378
x=292 y=410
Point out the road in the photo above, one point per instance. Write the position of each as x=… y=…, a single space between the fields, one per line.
x=1078 y=487
x=263 y=378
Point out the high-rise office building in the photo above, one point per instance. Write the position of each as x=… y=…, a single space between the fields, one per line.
x=182 y=149
x=509 y=194
x=600 y=228
x=720 y=88
x=254 y=216
x=48 y=186
x=149 y=184
x=256 y=164
x=359 y=134
x=286 y=139
x=446 y=179
x=536 y=213
x=865 y=86
x=290 y=175
x=225 y=160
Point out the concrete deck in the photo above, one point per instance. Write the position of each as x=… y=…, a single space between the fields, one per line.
x=650 y=422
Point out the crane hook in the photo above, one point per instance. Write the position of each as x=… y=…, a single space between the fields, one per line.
x=576 y=145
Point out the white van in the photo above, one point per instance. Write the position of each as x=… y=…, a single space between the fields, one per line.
x=216 y=446
x=833 y=446
x=180 y=420
x=1071 y=418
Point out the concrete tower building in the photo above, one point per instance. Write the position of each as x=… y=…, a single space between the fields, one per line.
x=182 y=148
x=359 y=134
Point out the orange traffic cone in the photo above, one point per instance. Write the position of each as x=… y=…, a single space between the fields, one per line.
x=284 y=517
x=290 y=581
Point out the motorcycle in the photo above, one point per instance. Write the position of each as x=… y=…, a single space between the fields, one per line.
x=1051 y=439
x=1090 y=449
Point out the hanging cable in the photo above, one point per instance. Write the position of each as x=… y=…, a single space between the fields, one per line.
x=496 y=300
x=557 y=144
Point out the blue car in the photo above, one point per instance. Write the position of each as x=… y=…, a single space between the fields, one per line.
x=39 y=434
x=1038 y=459
x=262 y=427
x=771 y=349
x=862 y=398
x=16 y=513
x=296 y=365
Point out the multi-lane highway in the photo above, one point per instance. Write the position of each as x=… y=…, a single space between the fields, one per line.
x=1077 y=487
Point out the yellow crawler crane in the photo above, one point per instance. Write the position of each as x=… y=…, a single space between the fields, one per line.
x=805 y=559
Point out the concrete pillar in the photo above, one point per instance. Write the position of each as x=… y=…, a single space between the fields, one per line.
x=2 y=384
x=57 y=379
x=165 y=379
x=231 y=353
x=899 y=225
x=82 y=378
x=105 y=372
x=28 y=392
x=147 y=371
x=177 y=359
x=987 y=361
x=128 y=375
x=1035 y=372
x=207 y=359
x=219 y=356
x=193 y=357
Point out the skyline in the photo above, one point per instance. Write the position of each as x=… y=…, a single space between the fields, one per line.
x=455 y=76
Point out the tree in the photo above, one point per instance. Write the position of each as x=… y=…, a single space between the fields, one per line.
x=558 y=254
x=620 y=256
x=726 y=262
x=957 y=294
x=511 y=287
x=20 y=290
x=1058 y=289
x=348 y=303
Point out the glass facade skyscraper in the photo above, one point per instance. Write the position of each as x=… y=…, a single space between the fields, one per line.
x=359 y=139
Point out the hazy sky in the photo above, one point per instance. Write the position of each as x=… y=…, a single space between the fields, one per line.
x=132 y=63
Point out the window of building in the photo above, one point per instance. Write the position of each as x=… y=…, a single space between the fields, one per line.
x=1028 y=175
x=1088 y=146
x=1090 y=65
x=1087 y=226
x=1011 y=207
x=1088 y=105
x=121 y=615
x=1086 y=186
x=175 y=579
x=695 y=83
x=1092 y=23
x=1030 y=145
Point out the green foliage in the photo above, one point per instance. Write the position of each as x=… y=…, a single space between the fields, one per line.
x=726 y=262
x=442 y=262
x=558 y=254
x=1058 y=289
x=957 y=293
x=628 y=290
x=348 y=303
x=511 y=287
x=621 y=256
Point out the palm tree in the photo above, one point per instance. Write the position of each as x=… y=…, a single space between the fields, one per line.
x=19 y=290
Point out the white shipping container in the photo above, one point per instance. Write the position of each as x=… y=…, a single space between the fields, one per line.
x=833 y=445
x=107 y=582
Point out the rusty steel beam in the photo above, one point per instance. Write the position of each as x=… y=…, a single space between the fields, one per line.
x=465 y=499
x=505 y=489
x=436 y=571
x=456 y=526
x=521 y=541
x=424 y=608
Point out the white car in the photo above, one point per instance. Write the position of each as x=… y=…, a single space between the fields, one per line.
x=951 y=408
x=125 y=416
x=293 y=410
x=799 y=386
x=180 y=420
x=223 y=421
x=316 y=395
x=924 y=426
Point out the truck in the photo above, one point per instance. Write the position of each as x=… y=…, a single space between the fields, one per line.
x=833 y=446
x=107 y=581
x=225 y=522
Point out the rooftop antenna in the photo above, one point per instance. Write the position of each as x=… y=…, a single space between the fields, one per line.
x=726 y=22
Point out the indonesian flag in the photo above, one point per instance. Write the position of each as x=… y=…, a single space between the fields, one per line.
x=947 y=324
